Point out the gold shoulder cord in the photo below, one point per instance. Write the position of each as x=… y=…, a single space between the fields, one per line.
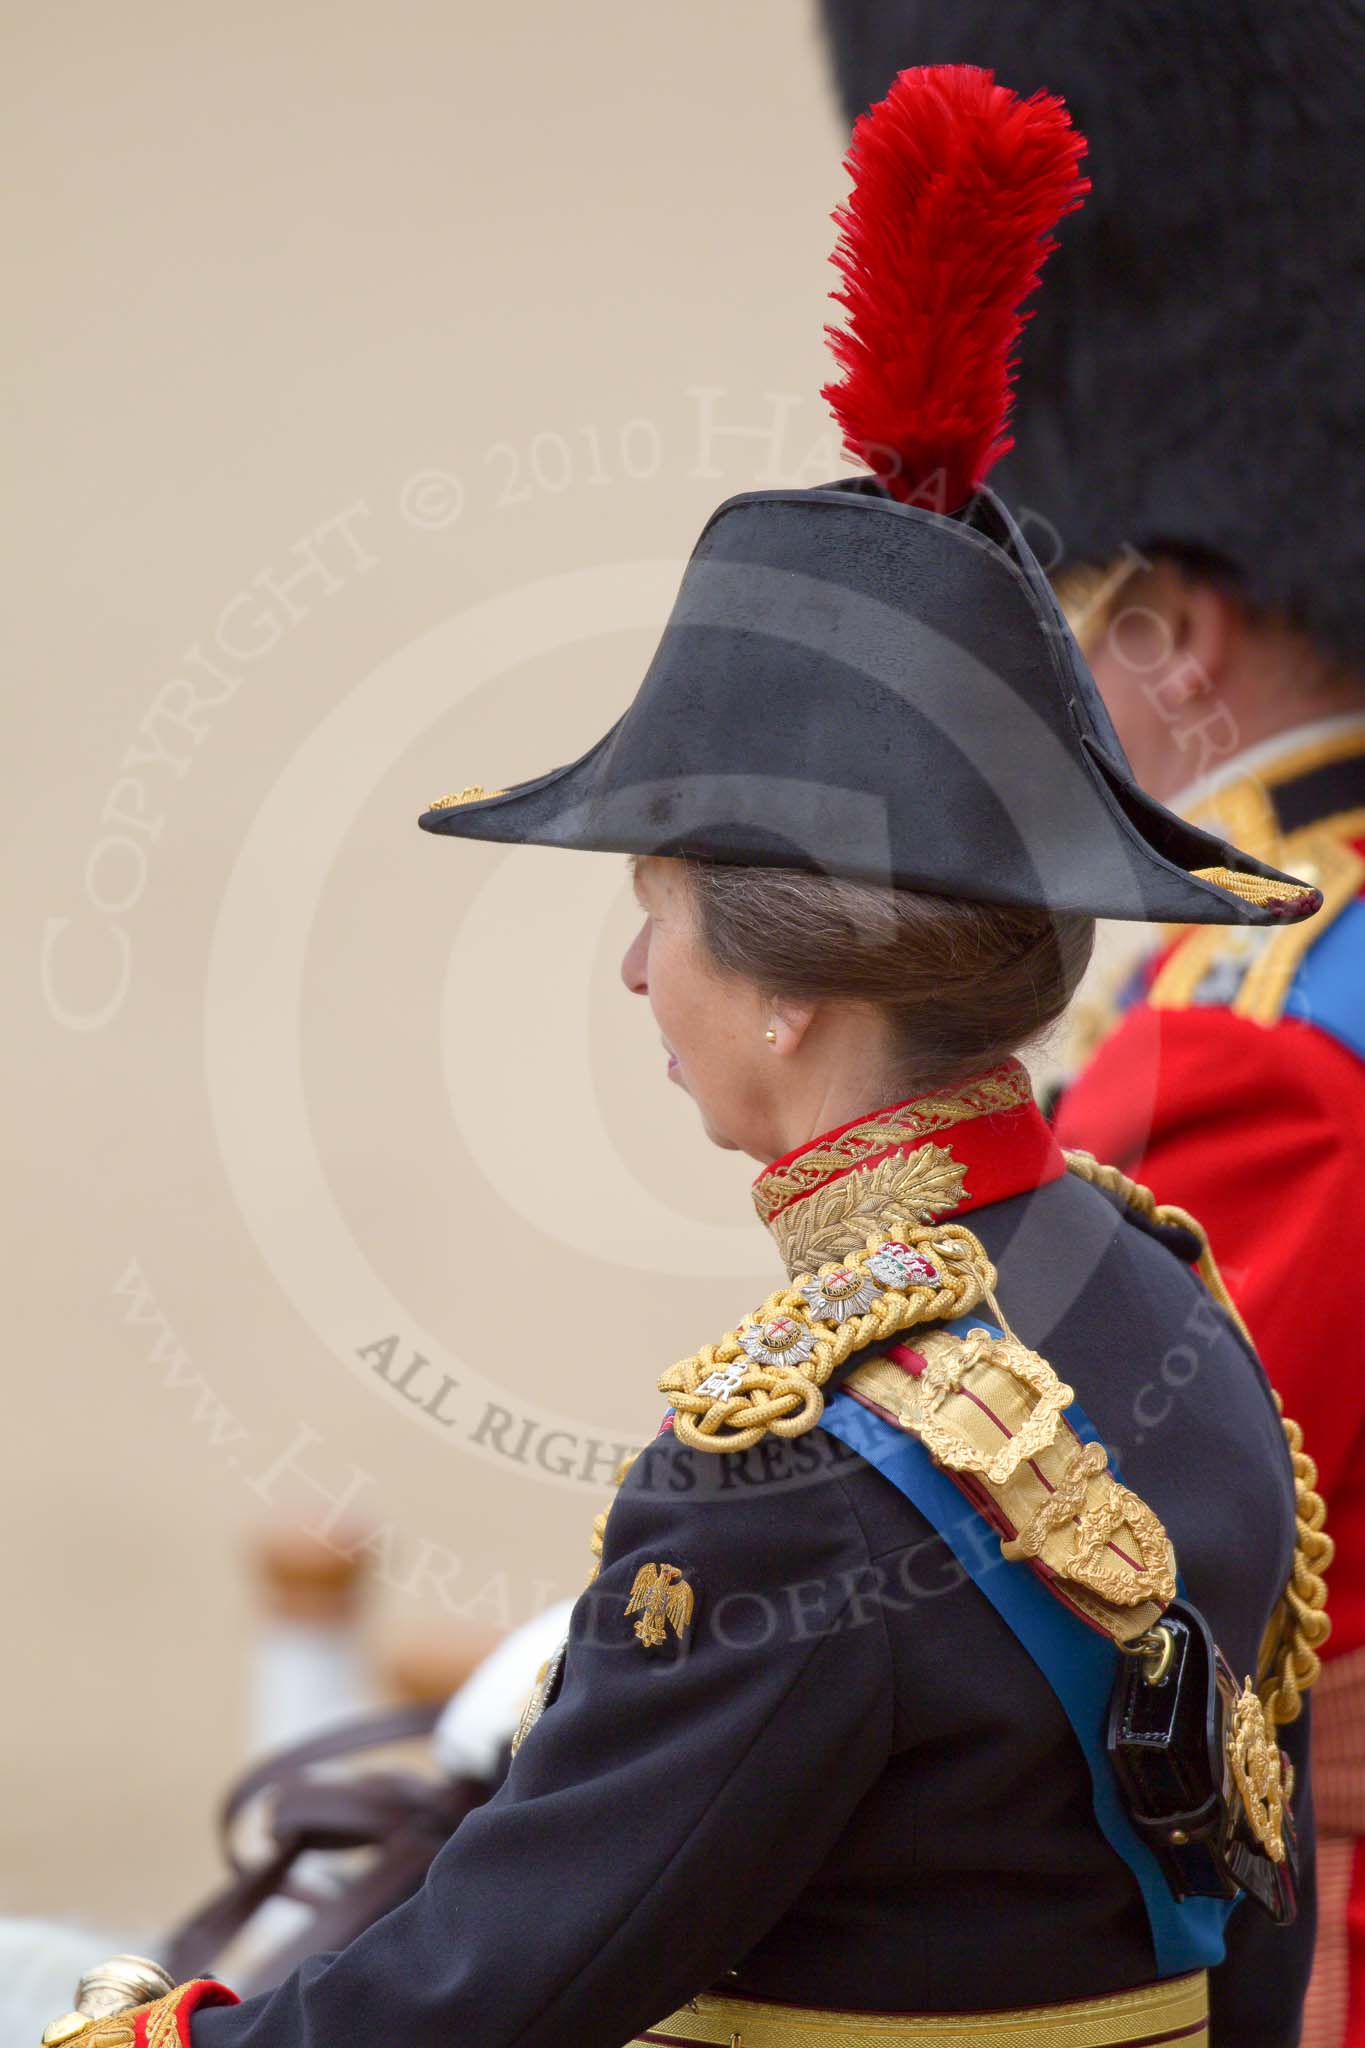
x=599 y=1522
x=766 y=1376
x=1057 y=1499
x=1289 y=1662
x=549 y=1671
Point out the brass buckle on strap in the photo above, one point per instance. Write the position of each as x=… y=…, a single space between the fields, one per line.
x=1156 y=1648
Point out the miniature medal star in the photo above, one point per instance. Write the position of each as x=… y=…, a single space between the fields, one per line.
x=662 y=1598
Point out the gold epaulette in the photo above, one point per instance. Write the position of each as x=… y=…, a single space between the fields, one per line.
x=599 y=1522
x=1249 y=970
x=992 y=1413
x=766 y=1376
x=1289 y=1661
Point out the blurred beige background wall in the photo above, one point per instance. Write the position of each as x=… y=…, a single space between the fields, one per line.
x=372 y=369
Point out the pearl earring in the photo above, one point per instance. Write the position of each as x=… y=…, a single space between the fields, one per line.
x=770 y=1035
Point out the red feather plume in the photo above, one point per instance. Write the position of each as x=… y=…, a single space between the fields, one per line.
x=957 y=183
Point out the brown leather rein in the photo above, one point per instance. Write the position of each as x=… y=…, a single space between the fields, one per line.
x=403 y=1816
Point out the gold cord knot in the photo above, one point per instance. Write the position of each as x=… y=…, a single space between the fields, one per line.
x=766 y=1377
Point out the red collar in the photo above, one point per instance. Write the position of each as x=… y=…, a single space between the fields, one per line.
x=824 y=1199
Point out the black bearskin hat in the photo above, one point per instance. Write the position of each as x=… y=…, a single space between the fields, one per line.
x=1194 y=369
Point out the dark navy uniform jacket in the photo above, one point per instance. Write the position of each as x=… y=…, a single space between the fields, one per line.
x=848 y=1786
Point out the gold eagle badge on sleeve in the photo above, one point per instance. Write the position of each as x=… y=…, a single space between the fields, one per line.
x=663 y=1599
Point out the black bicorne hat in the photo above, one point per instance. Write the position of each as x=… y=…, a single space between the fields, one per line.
x=873 y=679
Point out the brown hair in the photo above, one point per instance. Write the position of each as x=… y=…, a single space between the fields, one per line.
x=961 y=985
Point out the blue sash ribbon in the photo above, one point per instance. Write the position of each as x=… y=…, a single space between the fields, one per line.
x=1078 y=1663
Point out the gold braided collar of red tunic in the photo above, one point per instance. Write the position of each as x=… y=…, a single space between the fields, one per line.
x=918 y=1161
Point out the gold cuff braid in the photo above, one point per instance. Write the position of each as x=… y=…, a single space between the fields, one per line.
x=158 y=2024
x=1289 y=1662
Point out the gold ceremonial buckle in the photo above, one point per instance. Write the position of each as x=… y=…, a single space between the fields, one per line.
x=1122 y=1514
x=1093 y=1529
x=944 y=1375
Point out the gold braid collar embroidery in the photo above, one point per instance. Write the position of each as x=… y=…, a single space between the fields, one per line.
x=766 y=1376
x=908 y=1124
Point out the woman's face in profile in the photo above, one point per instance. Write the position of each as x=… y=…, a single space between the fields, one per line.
x=712 y=1024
